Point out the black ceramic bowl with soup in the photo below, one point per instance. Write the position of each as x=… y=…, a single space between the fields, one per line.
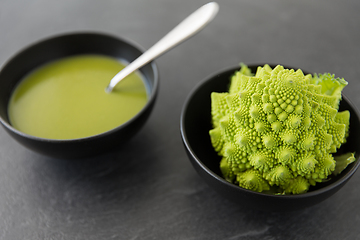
x=195 y=124
x=67 y=45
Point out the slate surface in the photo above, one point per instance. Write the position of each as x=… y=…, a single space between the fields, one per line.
x=148 y=188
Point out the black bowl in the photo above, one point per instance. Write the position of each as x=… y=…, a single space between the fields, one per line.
x=62 y=46
x=195 y=124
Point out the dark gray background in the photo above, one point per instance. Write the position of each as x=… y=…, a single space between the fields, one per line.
x=148 y=189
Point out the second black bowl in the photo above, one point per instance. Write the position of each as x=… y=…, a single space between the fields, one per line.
x=196 y=123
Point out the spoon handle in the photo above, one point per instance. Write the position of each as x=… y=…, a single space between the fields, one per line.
x=187 y=28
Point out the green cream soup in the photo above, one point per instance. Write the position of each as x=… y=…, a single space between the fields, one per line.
x=66 y=99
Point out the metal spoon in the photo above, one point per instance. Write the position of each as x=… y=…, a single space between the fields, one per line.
x=187 y=28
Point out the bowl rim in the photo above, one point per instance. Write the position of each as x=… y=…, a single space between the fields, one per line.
x=151 y=98
x=184 y=137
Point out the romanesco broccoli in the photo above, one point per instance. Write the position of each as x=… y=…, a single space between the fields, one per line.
x=279 y=128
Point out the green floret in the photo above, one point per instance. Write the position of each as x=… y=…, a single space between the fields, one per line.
x=342 y=161
x=278 y=128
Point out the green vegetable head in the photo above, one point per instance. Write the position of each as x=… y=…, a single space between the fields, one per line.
x=279 y=128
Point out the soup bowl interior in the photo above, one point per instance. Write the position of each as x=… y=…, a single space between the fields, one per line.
x=195 y=124
x=67 y=45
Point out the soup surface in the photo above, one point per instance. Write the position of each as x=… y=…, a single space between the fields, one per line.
x=66 y=98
